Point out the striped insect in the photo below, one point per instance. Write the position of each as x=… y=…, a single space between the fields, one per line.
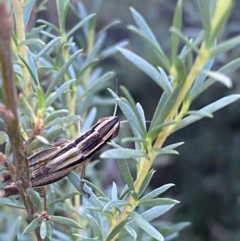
x=58 y=161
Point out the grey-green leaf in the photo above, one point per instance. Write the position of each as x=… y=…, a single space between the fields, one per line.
x=146 y=226
x=65 y=221
x=211 y=108
x=157 y=202
x=61 y=73
x=147 y=68
x=27 y=109
x=116 y=204
x=62 y=198
x=46 y=47
x=169 y=149
x=32 y=226
x=65 y=119
x=51 y=98
x=143 y=26
x=157 y=191
x=35 y=199
x=219 y=77
x=126 y=174
x=43 y=230
x=123 y=153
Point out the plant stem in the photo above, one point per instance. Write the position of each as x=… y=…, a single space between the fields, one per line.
x=18 y=8
x=10 y=98
x=145 y=164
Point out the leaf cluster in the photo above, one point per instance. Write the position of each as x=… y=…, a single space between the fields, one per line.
x=67 y=92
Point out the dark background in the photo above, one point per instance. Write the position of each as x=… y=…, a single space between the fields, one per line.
x=207 y=171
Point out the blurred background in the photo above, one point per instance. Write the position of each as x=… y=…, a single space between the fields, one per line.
x=207 y=171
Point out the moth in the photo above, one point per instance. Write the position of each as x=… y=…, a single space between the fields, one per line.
x=52 y=164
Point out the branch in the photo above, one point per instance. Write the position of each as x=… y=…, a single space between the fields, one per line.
x=9 y=112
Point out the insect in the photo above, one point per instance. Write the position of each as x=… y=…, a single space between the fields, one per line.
x=57 y=162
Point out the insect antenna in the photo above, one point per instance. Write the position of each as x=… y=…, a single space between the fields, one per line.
x=116 y=105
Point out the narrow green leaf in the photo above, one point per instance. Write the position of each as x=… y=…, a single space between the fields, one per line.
x=10 y=203
x=114 y=192
x=146 y=226
x=225 y=46
x=133 y=139
x=109 y=51
x=169 y=149
x=164 y=106
x=32 y=226
x=43 y=230
x=35 y=198
x=205 y=13
x=130 y=116
x=128 y=96
x=54 y=115
x=43 y=140
x=27 y=109
x=116 y=230
x=220 y=16
x=51 y=197
x=62 y=7
x=47 y=47
x=84 y=68
x=185 y=40
x=18 y=71
x=157 y=191
x=161 y=57
x=65 y=221
x=211 y=108
x=126 y=175
x=157 y=202
x=156 y=212
x=137 y=110
x=108 y=26
x=99 y=83
x=93 y=199
x=63 y=198
x=94 y=54
x=15 y=229
x=226 y=69
x=147 y=68
x=80 y=24
x=171 y=229
x=61 y=73
x=143 y=26
x=115 y=204
x=53 y=96
x=30 y=65
x=65 y=119
x=84 y=238
x=32 y=42
x=177 y=24
x=200 y=80
x=141 y=115
x=131 y=231
x=198 y=112
x=94 y=187
x=146 y=182
x=156 y=130
x=35 y=32
x=28 y=6
x=40 y=99
x=49 y=230
x=96 y=228
x=123 y=153
x=50 y=27
x=219 y=77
